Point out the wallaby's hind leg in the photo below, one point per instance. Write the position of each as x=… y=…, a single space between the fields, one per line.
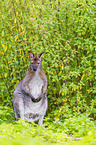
x=16 y=114
x=21 y=109
x=41 y=120
x=18 y=107
x=45 y=101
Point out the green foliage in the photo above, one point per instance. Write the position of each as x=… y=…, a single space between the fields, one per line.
x=20 y=132
x=66 y=31
x=6 y=114
x=75 y=125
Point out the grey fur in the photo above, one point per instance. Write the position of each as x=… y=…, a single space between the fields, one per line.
x=24 y=107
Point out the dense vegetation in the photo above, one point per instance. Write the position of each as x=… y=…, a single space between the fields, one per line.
x=65 y=132
x=65 y=29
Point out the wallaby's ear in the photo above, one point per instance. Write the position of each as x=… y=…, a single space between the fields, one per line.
x=41 y=54
x=31 y=54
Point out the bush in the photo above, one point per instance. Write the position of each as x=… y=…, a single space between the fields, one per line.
x=80 y=128
x=66 y=31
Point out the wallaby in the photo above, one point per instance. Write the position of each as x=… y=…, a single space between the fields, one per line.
x=30 y=96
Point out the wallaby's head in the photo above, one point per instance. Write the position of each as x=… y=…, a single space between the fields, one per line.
x=35 y=61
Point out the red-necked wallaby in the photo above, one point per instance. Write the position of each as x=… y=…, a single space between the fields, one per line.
x=30 y=97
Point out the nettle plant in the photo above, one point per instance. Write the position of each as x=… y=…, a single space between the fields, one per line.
x=66 y=31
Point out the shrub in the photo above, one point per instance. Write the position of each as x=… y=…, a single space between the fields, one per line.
x=66 y=31
x=74 y=128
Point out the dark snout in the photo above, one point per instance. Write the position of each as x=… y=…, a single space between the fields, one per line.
x=34 y=68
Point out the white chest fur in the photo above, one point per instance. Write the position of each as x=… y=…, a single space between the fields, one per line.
x=35 y=85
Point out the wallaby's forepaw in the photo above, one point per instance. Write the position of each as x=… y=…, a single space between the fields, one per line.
x=36 y=100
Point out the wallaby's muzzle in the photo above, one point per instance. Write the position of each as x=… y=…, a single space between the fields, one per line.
x=34 y=68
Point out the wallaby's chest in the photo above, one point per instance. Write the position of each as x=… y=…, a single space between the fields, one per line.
x=35 y=86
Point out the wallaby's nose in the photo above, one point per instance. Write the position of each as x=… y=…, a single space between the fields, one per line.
x=34 y=68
